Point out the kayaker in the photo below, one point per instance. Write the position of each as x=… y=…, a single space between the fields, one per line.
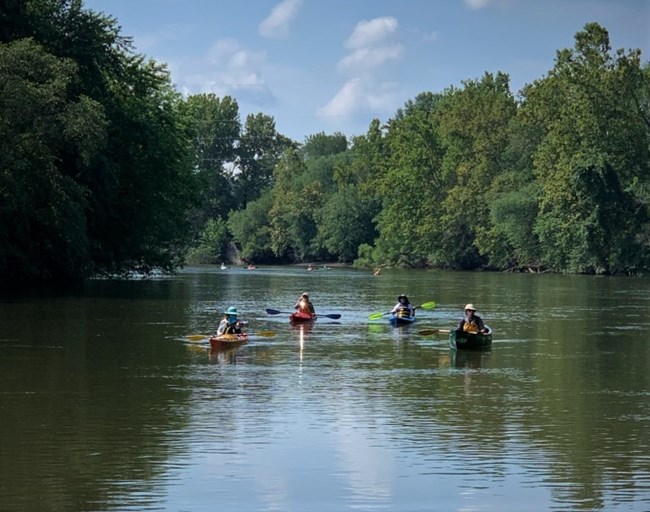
x=304 y=305
x=471 y=322
x=230 y=323
x=403 y=307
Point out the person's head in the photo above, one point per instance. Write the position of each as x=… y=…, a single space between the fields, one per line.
x=231 y=314
x=470 y=309
x=305 y=296
x=403 y=299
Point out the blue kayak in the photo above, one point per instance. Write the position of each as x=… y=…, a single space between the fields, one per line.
x=401 y=320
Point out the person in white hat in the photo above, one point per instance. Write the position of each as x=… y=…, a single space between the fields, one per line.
x=471 y=322
x=230 y=323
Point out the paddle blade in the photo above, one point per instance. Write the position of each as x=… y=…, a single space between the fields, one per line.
x=376 y=316
x=273 y=312
x=265 y=334
x=428 y=332
x=197 y=337
x=333 y=316
x=428 y=305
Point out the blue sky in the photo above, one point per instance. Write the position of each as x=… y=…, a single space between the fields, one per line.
x=334 y=65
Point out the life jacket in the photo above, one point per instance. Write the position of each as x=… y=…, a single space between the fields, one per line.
x=470 y=327
x=233 y=329
x=403 y=312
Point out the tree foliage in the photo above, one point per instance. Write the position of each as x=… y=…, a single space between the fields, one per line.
x=213 y=130
x=593 y=149
x=105 y=168
x=94 y=170
x=251 y=230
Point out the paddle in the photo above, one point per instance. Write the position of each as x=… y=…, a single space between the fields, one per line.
x=197 y=337
x=426 y=305
x=265 y=334
x=334 y=316
x=427 y=332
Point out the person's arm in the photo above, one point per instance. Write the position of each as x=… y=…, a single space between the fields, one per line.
x=461 y=324
x=481 y=325
x=222 y=327
x=312 y=310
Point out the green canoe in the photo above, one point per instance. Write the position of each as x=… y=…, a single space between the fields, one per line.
x=459 y=340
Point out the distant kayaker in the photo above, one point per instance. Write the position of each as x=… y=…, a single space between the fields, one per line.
x=304 y=305
x=471 y=322
x=377 y=271
x=230 y=323
x=403 y=307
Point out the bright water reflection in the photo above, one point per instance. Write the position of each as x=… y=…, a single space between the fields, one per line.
x=104 y=407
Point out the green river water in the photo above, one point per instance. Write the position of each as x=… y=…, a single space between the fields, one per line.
x=104 y=405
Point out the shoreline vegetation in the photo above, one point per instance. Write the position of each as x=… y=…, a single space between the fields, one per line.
x=107 y=169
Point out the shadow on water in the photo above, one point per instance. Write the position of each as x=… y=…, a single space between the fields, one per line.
x=471 y=359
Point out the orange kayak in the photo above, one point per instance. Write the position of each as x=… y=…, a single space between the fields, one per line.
x=298 y=317
x=228 y=340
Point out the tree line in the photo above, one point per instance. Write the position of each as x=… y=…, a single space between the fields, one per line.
x=106 y=169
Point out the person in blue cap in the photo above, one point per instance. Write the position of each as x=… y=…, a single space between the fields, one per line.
x=230 y=323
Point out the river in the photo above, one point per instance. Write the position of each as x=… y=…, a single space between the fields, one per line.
x=105 y=406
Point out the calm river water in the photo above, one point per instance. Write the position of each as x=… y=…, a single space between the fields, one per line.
x=104 y=406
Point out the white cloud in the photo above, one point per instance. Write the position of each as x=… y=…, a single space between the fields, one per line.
x=151 y=40
x=480 y=4
x=430 y=36
x=356 y=96
x=276 y=25
x=371 y=57
x=364 y=91
x=368 y=47
x=369 y=32
x=230 y=69
x=345 y=101
x=229 y=54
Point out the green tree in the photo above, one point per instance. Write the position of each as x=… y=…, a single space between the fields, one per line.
x=474 y=126
x=321 y=144
x=213 y=243
x=214 y=131
x=411 y=186
x=300 y=191
x=43 y=229
x=594 y=149
x=100 y=128
x=513 y=199
x=260 y=148
x=251 y=230
x=145 y=185
x=344 y=223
